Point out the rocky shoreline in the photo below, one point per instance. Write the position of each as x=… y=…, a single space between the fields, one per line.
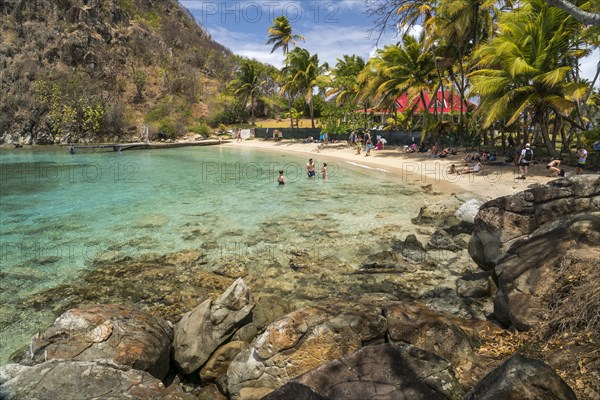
x=417 y=320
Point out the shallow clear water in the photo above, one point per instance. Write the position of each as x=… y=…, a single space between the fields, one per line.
x=59 y=212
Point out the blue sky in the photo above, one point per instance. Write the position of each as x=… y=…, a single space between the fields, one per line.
x=331 y=28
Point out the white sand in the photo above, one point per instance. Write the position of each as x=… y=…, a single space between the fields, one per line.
x=494 y=181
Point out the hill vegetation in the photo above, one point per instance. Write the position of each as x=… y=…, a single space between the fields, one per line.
x=74 y=70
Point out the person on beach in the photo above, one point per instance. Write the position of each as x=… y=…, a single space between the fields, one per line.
x=452 y=169
x=476 y=168
x=238 y=135
x=582 y=154
x=524 y=159
x=553 y=168
x=281 y=178
x=324 y=171
x=310 y=168
x=358 y=146
x=368 y=147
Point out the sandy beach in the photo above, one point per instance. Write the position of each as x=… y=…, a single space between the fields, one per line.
x=416 y=168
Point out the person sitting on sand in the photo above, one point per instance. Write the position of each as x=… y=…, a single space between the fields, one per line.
x=452 y=169
x=553 y=168
x=281 y=178
x=310 y=168
x=466 y=170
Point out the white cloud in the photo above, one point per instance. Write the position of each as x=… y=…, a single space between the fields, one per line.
x=588 y=66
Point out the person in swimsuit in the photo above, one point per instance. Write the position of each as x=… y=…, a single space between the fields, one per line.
x=281 y=178
x=310 y=168
x=324 y=171
x=553 y=168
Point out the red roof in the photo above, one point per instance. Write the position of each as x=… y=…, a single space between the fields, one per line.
x=450 y=102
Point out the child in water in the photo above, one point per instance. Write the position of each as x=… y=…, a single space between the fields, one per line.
x=324 y=171
x=281 y=178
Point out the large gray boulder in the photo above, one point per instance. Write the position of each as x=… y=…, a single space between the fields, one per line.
x=527 y=274
x=521 y=378
x=382 y=372
x=201 y=331
x=503 y=221
x=106 y=332
x=67 y=379
x=301 y=341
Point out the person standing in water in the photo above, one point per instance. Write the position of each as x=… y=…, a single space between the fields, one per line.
x=281 y=178
x=310 y=168
x=324 y=171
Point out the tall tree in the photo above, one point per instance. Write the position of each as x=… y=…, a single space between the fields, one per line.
x=404 y=68
x=301 y=75
x=248 y=84
x=525 y=70
x=281 y=36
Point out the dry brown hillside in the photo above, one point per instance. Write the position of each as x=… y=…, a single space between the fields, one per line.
x=99 y=69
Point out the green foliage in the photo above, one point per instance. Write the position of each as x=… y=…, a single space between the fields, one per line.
x=200 y=129
x=340 y=120
x=70 y=113
x=226 y=116
x=168 y=128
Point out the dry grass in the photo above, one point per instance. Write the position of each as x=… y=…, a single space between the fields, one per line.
x=284 y=123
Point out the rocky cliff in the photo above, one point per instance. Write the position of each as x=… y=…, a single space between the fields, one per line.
x=91 y=70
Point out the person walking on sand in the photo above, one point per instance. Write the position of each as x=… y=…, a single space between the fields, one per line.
x=582 y=154
x=238 y=135
x=324 y=171
x=310 y=168
x=524 y=159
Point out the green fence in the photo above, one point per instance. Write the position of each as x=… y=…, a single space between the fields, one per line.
x=395 y=138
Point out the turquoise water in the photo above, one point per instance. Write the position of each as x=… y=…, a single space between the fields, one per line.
x=60 y=212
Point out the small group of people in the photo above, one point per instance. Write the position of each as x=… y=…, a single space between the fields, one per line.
x=311 y=169
x=483 y=156
x=526 y=158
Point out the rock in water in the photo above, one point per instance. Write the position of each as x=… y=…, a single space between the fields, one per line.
x=106 y=332
x=387 y=371
x=202 y=330
x=522 y=378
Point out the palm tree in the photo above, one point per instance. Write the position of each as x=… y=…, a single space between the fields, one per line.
x=344 y=85
x=526 y=69
x=280 y=34
x=403 y=68
x=301 y=74
x=248 y=84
